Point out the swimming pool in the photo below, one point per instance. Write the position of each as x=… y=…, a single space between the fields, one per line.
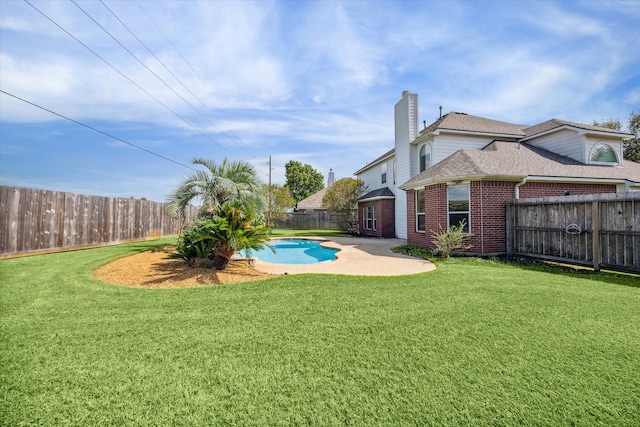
x=294 y=251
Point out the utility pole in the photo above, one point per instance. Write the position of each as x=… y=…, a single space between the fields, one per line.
x=270 y=196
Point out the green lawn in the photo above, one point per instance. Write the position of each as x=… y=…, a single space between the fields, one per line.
x=473 y=343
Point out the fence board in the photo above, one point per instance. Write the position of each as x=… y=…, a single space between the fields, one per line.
x=312 y=221
x=41 y=220
x=608 y=224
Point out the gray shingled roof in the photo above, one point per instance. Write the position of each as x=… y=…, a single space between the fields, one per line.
x=556 y=123
x=517 y=160
x=314 y=201
x=380 y=192
x=469 y=123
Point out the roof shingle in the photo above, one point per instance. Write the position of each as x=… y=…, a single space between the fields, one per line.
x=518 y=160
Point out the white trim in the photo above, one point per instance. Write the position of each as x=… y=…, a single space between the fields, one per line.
x=423 y=213
x=579 y=131
x=559 y=179
x=468 y=212
x=371 y=199
x=470 y=132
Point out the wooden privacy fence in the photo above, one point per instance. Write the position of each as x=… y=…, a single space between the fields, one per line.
x=602 y=230
x=42 y=220
x=312 y=221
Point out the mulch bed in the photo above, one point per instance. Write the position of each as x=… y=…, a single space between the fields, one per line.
x=152 y=269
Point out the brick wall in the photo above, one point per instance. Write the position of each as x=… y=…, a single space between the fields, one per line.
x=488 y=201
x=385 y=218
x=551 y=189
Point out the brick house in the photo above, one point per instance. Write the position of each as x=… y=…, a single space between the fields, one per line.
x=464 y=167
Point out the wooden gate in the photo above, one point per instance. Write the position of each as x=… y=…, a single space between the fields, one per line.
x=602 y=230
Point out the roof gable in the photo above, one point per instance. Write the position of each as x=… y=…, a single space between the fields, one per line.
x=556 y=124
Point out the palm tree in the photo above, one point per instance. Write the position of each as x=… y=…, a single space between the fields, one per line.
x=235 y=183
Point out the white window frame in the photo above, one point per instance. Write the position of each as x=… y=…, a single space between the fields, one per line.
x=459 y=212
x=595 y=147
x=420 y=213
x=383 y=176
x=426 y=146
x=369 y=221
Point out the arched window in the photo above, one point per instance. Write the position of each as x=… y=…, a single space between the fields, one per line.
x=603 y=153
x=425 y=156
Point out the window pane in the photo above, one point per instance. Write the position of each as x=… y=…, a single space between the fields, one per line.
x=458 y=192
x=456 y=219
x=420 y=201
x=458 y=205
x=420 y=222
x=603 y=153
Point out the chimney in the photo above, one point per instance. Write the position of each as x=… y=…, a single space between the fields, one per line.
x=331 y=179
x=406 y=118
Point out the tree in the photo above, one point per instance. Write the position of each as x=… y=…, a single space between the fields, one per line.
x=631 y=146
x=342 y=197
x=279 y=201
x=234 y=183
x=302 y=180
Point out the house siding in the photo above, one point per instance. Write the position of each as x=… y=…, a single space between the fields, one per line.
x=406 y=130
x=372 y=177
x=445 y=145
x=488 y=205
x=566 y=142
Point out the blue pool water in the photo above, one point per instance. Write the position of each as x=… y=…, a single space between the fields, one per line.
x=294 y=251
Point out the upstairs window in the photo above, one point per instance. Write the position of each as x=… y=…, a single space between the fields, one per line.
x=603 y=153
x=458 y=206
x=425 y=156
x=394 y=171
x=384 y=173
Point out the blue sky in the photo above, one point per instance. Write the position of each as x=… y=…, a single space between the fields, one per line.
x=310 y=81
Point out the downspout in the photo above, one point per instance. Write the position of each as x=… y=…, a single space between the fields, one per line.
x=518 y=185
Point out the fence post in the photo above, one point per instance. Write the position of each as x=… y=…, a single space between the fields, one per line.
x=509 y=232
x=596 y=242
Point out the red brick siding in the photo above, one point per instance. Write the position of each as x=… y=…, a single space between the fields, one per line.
x=550 y=189
x=488 y=207
x=385 y=218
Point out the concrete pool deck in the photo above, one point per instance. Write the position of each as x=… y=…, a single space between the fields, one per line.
x=358 y=256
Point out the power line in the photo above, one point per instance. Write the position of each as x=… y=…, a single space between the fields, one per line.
x=166 y=68
x=188 y=64
x=142 y=63
x=125 y=76
x=96 y=130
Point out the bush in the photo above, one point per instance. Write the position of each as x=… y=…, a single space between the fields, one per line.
x=451 y=239
x=213 y=241
x=196 y=243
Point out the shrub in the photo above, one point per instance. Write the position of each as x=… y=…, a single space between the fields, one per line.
x=451 y=239
x=196 y=243
x=213 y=241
